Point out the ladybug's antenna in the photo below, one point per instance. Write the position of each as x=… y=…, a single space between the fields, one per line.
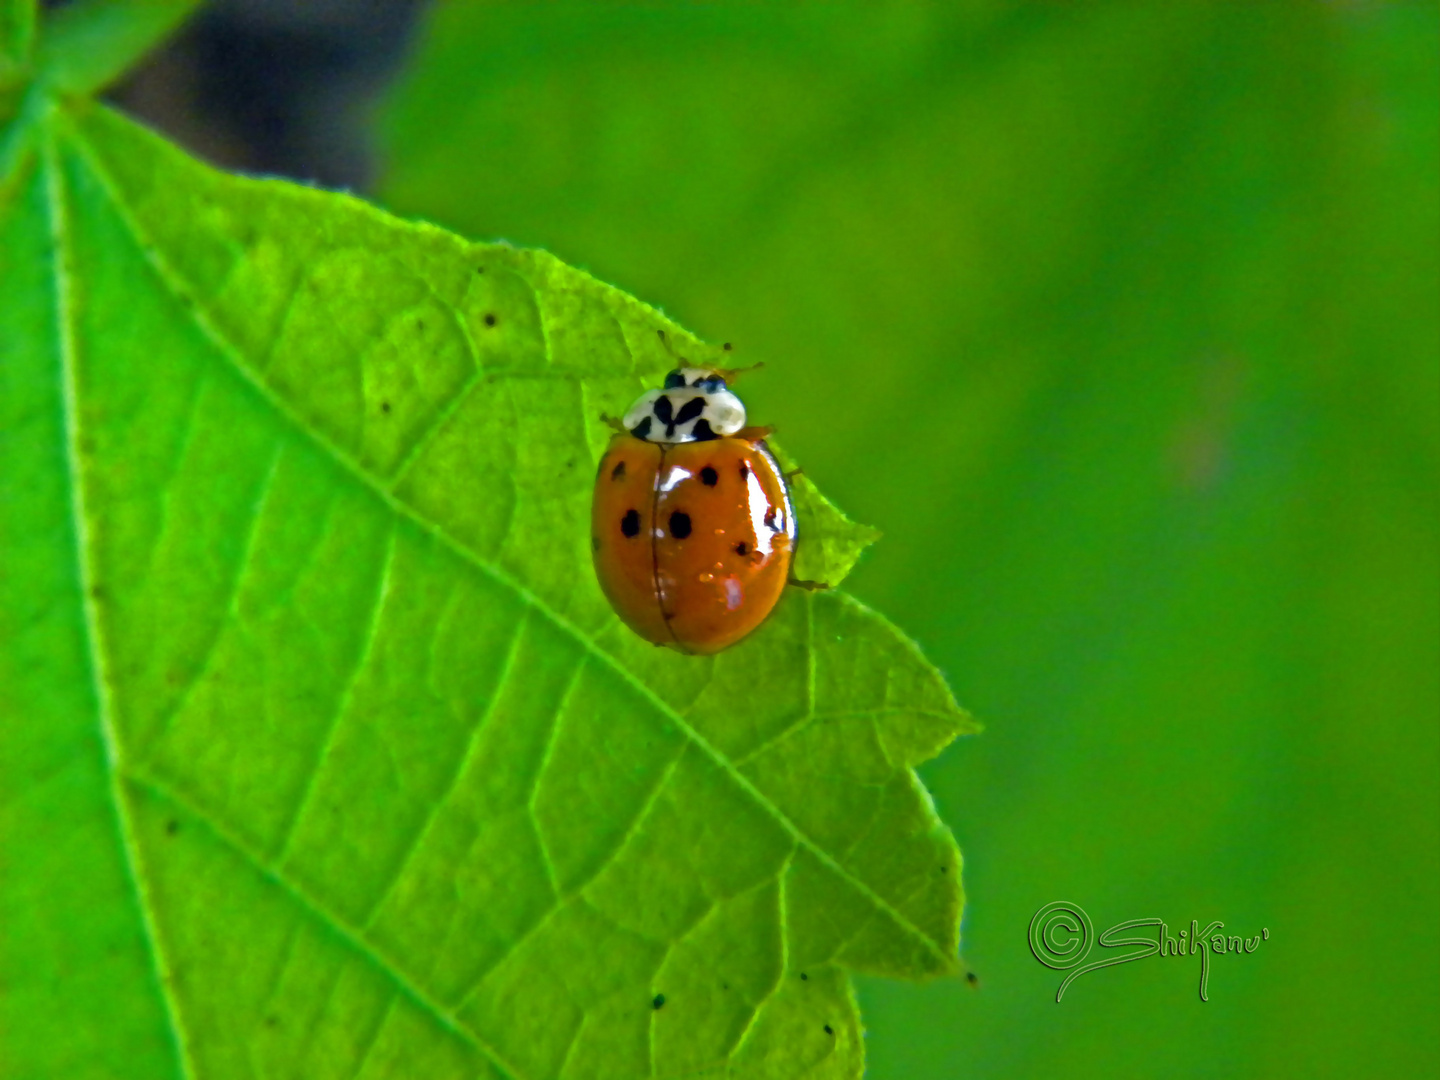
x=671 y=349
x=728 y=374
x=731 y=374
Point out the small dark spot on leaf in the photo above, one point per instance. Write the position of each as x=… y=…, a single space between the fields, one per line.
x=420 y=324
x=490 y=319
x=97 y=593
x=727 y=346
x=742 y=548
x=172 y=827
x=618 y=472
x=972 y=978
x=594 y=543
x=829 y=1030
x=942 y=869
x=659 y=1001
x=479 y=269
x=630 y=523
x=709 y=477
x=384 y=406
x=679 y=524
x=804 y=977
x=271 y=1021
x=724 y=986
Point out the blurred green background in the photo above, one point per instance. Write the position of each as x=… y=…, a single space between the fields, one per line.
x=1121 y=322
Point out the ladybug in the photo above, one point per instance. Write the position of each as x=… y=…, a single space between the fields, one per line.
x=692 y=527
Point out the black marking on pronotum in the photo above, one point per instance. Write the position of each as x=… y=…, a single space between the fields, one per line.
x=679 y=524
x=642 y=429
x=659 y=1001
x=744 y=471
x=708 y=476
x=674 y=380
x=690 y=410
x=702 y=431
x=742 y=548
x=630 y=523
x=665 y=412
x=712 y=385
x=618 y=472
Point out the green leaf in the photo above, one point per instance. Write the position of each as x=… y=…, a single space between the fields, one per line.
x=89 y=44
x=323 y=754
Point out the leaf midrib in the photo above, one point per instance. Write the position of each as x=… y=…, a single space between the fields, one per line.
x=150 y=251
x=65 y=341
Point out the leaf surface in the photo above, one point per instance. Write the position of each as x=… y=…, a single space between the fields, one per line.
x=323 y=754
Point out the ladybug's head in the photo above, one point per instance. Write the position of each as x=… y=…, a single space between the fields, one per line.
x=692 y=406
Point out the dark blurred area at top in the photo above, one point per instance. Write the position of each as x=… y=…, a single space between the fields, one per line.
x=276 y=86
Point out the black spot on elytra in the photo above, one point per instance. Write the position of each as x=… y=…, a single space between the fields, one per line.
x=630 y=523
x=742 y=548
x=659 y=1001
x=744 y=471
x=703 y=431
x=679 y=524
x=642 y=429
x=770 y=520
x=829 y=1030
x=709 y=477
x=690 y=410
x=490 y=319
x=618 y=472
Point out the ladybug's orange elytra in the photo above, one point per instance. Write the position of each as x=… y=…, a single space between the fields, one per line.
x=692 y=527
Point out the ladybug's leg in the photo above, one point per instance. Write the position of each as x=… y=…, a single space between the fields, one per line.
x=614 y=423
x=790 y=476
x=753 y=434
x=808 y=586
